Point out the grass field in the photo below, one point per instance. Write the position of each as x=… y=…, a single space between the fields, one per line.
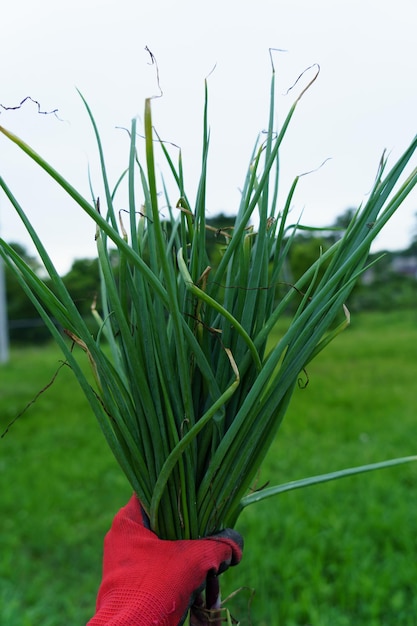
x=339 y=554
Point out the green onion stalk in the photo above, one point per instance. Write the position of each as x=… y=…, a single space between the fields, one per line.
x=187 y=387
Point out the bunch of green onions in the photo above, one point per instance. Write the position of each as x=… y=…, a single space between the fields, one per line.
x=187 y=389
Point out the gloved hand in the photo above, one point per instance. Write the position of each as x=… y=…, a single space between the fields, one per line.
x=147 y=580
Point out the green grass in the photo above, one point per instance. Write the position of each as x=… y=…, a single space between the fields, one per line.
x=332 y=555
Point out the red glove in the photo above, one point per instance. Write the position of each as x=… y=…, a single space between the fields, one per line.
x=148 y=581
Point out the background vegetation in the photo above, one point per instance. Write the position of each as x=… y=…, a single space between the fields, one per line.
x=333 y=555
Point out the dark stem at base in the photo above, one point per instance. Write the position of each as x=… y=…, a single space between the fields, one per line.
x=208 y=612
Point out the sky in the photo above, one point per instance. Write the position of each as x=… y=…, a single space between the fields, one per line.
x=364 y=100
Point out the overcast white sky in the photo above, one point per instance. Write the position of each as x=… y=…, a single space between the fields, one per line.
x=365 y=99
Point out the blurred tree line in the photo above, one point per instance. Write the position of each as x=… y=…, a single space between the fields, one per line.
x=389 y=284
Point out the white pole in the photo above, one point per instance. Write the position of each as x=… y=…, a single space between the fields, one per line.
x=4 y=327
x=4 y=332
